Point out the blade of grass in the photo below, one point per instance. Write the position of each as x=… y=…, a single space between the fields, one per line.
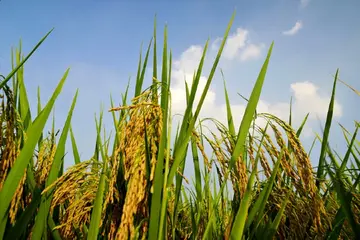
x=18 y=229
x=228 y=111
x=140 y=79
x=271 y=231
x=353 y=89
x=186 y=129
x=38 y=112
x=241 y=215
x=156 y=203
x=24 y=106
x=196 y=168
x=54 y=232
x=320 y=171
x=74 y=147
x=167 y=162
x=345 y=197
x=338 y=222
x=42 y=216
x=250 y=111
x=154 y=64
x=259 y=206
x=96 y=212
x=298 y=132
x=16 y=173
x=12 y=73
x=348 y=152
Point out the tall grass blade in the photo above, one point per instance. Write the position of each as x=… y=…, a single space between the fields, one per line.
x=42 y=216
x=12 y=73
x=38 y=112
x=140 y=79
x=228 y=111
x=154 y=63
x=241 y=215
x=18 y=229
x=186 y=129
x=345 y=197
x=271 y=231
x=250 y=111
x=97 y=209
x=156 y=203
x=33 y=134
x=74 y=147
x=298 y=132
x=353 y=89
x=348 y=152
x=320 y=171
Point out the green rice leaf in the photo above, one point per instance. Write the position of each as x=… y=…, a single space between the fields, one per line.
x=271 y=231
x=140 y=78
x=156 y=203
x=250 y=111
x=23 y=99
x=228 y=111
x=98 y=205
x=320 y=171
x=185 y=130
x=298 y=132
x=74 y=147
x=23 y=220
x=42 y=216
x=16 y=173
x=345 y=196
x=12 y=73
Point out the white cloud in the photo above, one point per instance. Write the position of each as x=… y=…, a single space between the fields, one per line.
x=189 y=59
x=295 y=29
x=251 y=51
x=216 y=44
x=308 y=99
x=304 y=3
x=235 y=43
x=183 y=69
x=239 y=46
x=306 y=95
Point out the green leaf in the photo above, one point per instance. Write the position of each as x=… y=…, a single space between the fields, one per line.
x=241 y=215
x=197 y=169
x=12 y=73
x=320 y=171
x=250 y=111
x=98 y=205
x=167 y=159
x=156 y=203
x=228 y=111
x=188 y=123
x=38 y=112
x=348 y=152
x=337 y=224
x=74 y=147
x=154 y=64
x=271 y=231
x=140 y=77
x=23 y=99
x=42 y=216
x=344 y=196
x=17 y=171
x=298 y=132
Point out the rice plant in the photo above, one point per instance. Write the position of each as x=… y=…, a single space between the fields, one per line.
x=249 y=185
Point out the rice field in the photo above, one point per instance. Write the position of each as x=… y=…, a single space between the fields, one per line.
x=257 y=183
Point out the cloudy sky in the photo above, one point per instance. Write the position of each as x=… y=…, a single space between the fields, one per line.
x=100 y=41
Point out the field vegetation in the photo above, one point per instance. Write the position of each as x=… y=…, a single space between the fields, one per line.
x=256 y=182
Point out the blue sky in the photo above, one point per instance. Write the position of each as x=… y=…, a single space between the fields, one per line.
x=100 y=41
